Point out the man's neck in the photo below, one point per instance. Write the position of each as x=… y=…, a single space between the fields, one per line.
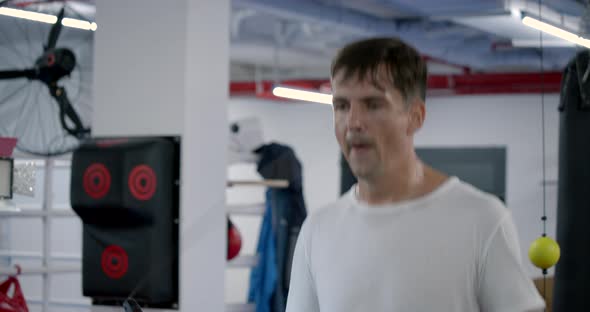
x=406 y=182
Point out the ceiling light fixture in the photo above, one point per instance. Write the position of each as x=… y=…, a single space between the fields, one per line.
x=48 y=18
x=74 y=23
x=535 y=43
x=302 y=95
x=555 y=31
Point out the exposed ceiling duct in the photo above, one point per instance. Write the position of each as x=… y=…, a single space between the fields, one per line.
x=477 y=34
x=436 y=36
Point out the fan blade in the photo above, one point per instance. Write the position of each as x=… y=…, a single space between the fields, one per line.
x=11 y=74
x=55 y=30
x=67 y=111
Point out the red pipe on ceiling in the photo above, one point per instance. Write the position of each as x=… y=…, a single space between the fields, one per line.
x=465 y=84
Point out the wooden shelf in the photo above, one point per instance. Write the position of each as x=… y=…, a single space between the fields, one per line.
x=245 y=261
x=240 y=307
x=250 y=209
x=38 y=255
x=266 y=183
x=61 y=302
x=34 y=213
x=41 y=270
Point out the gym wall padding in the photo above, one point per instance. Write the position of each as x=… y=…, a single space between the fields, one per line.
x=572 y=273
x=125 y=190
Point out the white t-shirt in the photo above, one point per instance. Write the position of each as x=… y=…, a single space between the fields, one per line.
x=453 y=250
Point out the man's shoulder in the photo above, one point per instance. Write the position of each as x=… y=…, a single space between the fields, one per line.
x=328 y=212
x=470 y=193
x=482 y=204
x=332 y=208
x=323 y=218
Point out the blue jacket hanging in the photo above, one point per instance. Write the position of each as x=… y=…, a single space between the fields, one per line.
x=263 y=278
x=284 y=215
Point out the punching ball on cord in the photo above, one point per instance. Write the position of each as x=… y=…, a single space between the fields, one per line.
x=572 y=274
x=234 y=240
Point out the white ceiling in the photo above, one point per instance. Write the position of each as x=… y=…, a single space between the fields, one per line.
x=300 y=37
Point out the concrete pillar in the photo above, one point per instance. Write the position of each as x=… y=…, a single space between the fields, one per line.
x=161 y=68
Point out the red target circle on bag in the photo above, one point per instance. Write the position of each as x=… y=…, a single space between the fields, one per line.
x=114 y=262
x=142 y=182
x=97 y=180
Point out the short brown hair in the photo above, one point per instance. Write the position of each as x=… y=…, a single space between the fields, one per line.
x=404 y=65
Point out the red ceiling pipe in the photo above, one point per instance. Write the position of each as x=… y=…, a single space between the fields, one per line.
x=440 y=82
x=24 y=4
x=509 y=79
x=512 y=83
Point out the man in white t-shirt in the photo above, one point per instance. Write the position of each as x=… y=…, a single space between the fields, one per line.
x=406 y=237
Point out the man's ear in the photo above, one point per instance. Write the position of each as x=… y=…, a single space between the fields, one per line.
x=417 y=115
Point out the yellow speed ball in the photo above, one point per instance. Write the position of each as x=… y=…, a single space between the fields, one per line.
x=544 y=252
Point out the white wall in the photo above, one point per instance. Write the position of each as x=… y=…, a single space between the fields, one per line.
x=513 y=121
x=307 y=128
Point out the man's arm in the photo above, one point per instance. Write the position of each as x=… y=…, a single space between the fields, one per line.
x=302 y=295
x=504 y=286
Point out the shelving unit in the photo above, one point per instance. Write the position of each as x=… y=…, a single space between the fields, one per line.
x=38 y=255
x=48 y=210
x=267 y=183
x=62 y=303
x=45 y=270
x=249 y=209
x=33 y=213
x=248 y=307
x=248 y=261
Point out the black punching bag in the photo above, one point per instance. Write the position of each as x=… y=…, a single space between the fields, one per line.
x=572 y=274
x=125 y=191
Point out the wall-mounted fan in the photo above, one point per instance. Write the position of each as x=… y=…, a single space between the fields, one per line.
x=45 y=87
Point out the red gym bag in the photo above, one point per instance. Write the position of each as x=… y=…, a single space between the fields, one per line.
x=14 y=303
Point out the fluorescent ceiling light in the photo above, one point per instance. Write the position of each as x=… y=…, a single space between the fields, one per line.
x=74 y=23
x=32 y=16
x=302 y=95
x=535 y=43
x=555 y=31
x=47 y=18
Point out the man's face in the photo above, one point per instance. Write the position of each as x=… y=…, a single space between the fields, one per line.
x=373 y=126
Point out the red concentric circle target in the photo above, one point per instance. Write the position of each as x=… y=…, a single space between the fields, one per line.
x=142 y=182
x=97 y=180
x=114 y=262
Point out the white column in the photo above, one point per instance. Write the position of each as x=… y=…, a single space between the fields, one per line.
x=161 y=67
